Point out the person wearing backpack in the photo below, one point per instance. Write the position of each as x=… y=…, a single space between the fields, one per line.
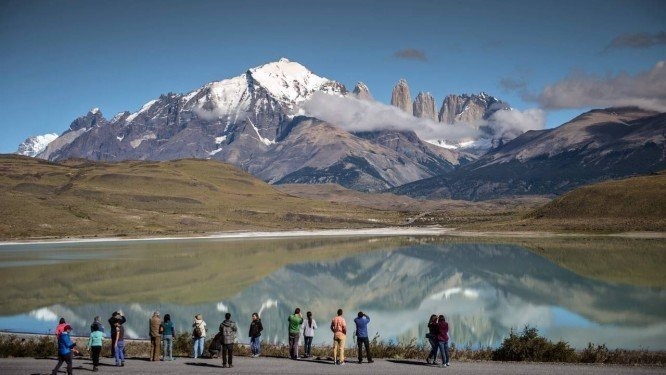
x=228 y=329
x=255 y=333
x=198 y=335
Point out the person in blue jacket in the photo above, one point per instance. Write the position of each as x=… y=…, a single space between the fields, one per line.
x=362 y=336
x=65 y=350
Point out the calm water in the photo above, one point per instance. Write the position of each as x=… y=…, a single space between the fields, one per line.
x=483 y=289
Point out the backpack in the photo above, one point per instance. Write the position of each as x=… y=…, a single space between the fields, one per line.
x=197 y=331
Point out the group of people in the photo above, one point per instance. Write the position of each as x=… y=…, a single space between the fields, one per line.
x=67 y=348
x=438 y=335
x=163 y=331
x=339 y=329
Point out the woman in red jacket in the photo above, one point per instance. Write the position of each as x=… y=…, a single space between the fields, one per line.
x=443 y=340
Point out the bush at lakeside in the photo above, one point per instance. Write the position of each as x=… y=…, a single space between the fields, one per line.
x=526 y=346
x=529 y=346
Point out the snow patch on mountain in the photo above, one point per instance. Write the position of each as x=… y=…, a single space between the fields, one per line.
x=145 y=107
x=35 y=144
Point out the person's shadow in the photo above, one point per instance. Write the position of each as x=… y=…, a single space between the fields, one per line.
x=409 y=362
x=203 y=364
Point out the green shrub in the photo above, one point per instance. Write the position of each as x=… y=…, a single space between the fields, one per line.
x=529 y=346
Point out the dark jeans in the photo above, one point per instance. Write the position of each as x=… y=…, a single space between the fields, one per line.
x=433 y=352
x=308 y=346
x=444 y=349
x=293 y=344
x=227 y=353
x=94 y=351
x=63 y=358
x=363 y=341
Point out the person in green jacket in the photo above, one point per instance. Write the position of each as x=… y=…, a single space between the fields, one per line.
x=295 y=322
x=95 y=345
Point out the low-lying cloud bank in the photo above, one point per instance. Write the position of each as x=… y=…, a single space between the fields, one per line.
x=363 y=115
x=580 y=90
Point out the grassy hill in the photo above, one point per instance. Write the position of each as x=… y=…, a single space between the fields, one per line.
x=78 y=198
x=636 y=203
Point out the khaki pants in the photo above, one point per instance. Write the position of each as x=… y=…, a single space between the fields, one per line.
x=155 y=348
x=339 y=346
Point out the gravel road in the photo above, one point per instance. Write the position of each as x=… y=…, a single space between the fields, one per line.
x=266 y=365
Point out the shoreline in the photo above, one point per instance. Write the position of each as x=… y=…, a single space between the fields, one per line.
x=367 y=232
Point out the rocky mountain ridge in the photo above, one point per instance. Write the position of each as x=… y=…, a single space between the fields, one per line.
x=252 y=121
x=595 y=146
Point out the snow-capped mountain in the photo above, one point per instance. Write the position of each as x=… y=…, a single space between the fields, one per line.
x=248 y=121
x=35 y=144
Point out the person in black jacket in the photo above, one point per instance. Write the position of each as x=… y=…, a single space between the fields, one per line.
x=255 y=333
x=116 y=317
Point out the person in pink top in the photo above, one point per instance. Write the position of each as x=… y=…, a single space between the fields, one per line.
x=339 y=328
x=443 y=340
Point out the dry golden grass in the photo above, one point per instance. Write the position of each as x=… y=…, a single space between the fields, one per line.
x=79 y=198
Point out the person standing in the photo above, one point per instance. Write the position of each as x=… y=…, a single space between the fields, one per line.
x=97 y=325
x=433 y=331
x=154 y=332
x=362 y=339
x=65 y=349
x=168 y=333
x=116 y=317
x=339 y=328
x=255 y=333
x=295 y=320
x=119 y=350
x=95 y=344
x=443 y=340
x=228 y=329
x=198 y=335
x=308 y=333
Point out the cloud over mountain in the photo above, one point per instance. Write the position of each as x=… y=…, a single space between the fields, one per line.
x=645 y=89
x=362 y=115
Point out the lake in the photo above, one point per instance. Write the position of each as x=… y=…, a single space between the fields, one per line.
x=484 y=288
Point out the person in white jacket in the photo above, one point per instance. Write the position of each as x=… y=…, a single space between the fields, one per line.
x=198 y=335
x=309 y=327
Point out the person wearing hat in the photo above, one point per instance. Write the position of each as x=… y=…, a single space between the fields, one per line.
x=65 y=349
x=155 y=336
x=198 y=335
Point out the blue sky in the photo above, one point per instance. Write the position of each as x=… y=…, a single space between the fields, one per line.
x=61 y=58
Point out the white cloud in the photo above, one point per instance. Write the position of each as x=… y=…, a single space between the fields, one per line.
x=510 y=124
x=353 y=115
x=580 y=90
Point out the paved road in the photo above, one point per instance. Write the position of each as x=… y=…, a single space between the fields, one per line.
x=265 y=365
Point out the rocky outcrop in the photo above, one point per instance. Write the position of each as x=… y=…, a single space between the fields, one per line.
x=401 y=97
x=469 y=109
x=424 y=106
x=361 y=91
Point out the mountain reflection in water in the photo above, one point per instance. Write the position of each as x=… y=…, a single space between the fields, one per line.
x=483 y=289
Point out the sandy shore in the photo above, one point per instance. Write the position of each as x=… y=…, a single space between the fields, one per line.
x=369 y=232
